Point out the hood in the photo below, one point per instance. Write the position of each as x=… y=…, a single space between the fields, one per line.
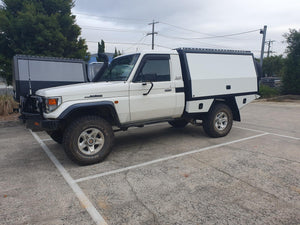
x=86 y=90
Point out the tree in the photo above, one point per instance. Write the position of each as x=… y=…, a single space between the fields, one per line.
x=34 y=27
x=101 y=47
x=291 y=78
x=273 y=66
x=101 y=50
x=117 y=53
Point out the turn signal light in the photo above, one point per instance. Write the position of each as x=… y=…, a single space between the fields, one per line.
x=52 y=101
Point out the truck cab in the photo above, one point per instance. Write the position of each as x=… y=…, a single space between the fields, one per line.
x=141 y=87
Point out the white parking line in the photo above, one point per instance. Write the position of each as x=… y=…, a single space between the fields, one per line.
x=48 y=139
x=261 y=131
x=98 y=219
x=165 y=158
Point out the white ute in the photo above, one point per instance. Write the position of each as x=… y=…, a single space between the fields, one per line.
x=180 y=86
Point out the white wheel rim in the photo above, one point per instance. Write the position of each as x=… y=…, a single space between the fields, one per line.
x=90 y=141
x=221 y=121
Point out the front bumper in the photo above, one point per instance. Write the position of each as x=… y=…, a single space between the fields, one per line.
x=31 y=108
x=36 y=122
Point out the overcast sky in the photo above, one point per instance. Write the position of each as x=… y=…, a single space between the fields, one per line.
x=191 y=23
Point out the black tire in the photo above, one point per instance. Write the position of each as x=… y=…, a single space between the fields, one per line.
x=85 y=135
x=218 y=121
x=56 y=135
x=178 y=123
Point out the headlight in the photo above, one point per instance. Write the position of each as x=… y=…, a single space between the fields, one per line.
x=52 y=103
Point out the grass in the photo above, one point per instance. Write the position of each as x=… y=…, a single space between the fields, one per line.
x=7 y=105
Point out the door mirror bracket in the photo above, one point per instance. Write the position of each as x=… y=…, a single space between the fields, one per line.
x=148 y=78
x=149 y=89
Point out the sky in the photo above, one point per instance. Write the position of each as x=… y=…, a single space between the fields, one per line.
x=227 y=24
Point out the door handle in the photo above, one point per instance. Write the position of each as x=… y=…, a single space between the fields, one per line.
x=168 y=89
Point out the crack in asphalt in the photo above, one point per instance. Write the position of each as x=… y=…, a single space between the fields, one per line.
x=261 y=153
x=139 y=200
x=268 y=127
x=245 y=182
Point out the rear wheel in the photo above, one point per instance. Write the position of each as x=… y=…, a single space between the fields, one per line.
x=178 y=123
x=88 y=140
x=219 y=120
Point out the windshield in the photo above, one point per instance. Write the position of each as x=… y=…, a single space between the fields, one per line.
x=120 y=68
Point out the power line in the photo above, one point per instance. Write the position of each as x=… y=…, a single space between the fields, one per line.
x=130 y=43
x=163 y=46
x=178 y=27
x=192 y=40
x=112 y=29
x=210 y=35
x=229 y=35
x=112 y=42
x=121 y=43
x=182 y=28
x=137 y=20
x=138 y=43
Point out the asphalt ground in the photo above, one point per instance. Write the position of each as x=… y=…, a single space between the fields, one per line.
x=160 y=175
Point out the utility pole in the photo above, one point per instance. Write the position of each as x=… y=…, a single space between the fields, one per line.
x=263 y=32
x=269 y=47
x=152 y=33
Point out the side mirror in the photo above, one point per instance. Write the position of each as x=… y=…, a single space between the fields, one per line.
x=149 y=77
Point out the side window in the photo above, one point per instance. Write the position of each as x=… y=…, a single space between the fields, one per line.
x=158 y=67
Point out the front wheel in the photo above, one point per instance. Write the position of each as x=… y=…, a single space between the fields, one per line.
x=219 y=121
x=88 y=140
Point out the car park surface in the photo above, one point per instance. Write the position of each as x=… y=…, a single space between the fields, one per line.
x=160 y=175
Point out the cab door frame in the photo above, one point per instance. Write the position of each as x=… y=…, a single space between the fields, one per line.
x=160 y=102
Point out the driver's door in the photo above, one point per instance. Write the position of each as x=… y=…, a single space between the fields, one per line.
x=160 y=101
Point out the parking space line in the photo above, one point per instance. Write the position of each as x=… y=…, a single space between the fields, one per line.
x=165 y=158
x=285 y=136
x=261 y=131
x=98 y=219
x=48 y=139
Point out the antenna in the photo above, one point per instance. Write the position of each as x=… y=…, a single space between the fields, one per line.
x=29 y=78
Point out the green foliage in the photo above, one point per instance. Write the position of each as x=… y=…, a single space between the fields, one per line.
x=273 y=66
x=267 y=92
x=34 y=27
x=5 y=69
x=117 y=53
x=101 y=50
x=291 y=78
x=101 y=47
